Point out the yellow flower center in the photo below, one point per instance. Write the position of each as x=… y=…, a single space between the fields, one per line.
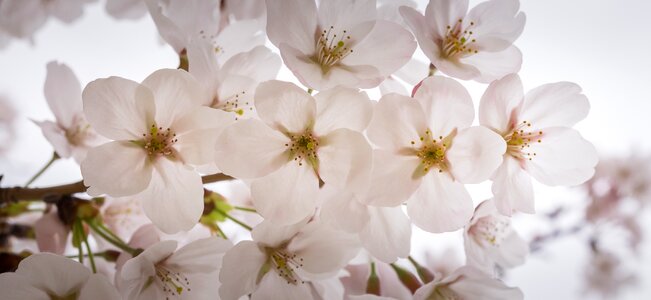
x=519 y=140
x=332 y=47
x=458 y=40
x=159 y=142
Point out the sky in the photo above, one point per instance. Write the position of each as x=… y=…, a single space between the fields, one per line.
x=601 y=45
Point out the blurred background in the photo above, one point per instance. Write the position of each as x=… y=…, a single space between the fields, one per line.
x=589 y=242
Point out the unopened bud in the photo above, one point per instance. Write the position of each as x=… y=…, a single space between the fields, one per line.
x=424 y=274
x=373 y=282
x=407 y=278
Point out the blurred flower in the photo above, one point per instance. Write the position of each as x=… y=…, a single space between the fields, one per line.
x=605 y=276
x=126 y=9
x=467 y=283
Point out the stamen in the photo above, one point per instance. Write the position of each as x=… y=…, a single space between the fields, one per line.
x=332 y=48
x=235 y=104
x=432 y=151
x=490 y=230
x=286 y=265
x=173 y=283
x=303 y=147
x=520 y=139
x=458 y=40
x=159 y=142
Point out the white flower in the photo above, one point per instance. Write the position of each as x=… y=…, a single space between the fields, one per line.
x=427 y=151
x=45 y=276
x=539 y=137
x=467 y=283
x=159 y=129
x=476 y=45
x=126 y=9
x=279 y=261
x=163 y=272
x=341 y=43
x=490 y=240
x=22 y=18
x=70 y=135
x=300 y=141
x=390 y=285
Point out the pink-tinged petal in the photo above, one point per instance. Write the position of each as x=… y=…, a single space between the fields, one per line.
x=203 y=65
x=126 y=9
x=388 y=234
x=342 y=108
x=239 y=37
x=250 y=149
x=446 y=103
x=57 y=138
x=497 y=24
x=293 y=22
x=393 y=178
x=343 y=210
x=345 y=159
x=440 y=204
x=259 y=64
x=558 y=104
x=495 y=65
x=413 y=71
x=563 y=157
x=323 y=249
x=240 y=268
x=387 y=47
x=174 y=199
x=176 y=93
x=202 y=127
x=369 y=297
x=443 y=13
x=117 y=169
x=287 y=195
x=499 y=101
x=273 y=286
x=133 y=277
x=51 y=233
x=512 y=188
x=476 y=153
x=397 y=121
x=16 y=287
x=285 y=106
x=63 y=276
x=63 y=93
x=476 y=255
x=98 y=287
x=512 y=251
x=474 y=284
x=455 y=68
x=344 y=15
x=269 y=234
x=425 y=36
x=201 y=256
x=391 y=85
x=118 y=108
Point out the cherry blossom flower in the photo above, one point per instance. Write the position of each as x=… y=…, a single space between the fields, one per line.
x=341 y=43
x=467 y=283
x=280 y=261
x=70 y=135
x=469 y=45
x=22 y=18
x=159 y=130
x=51 y=234
x=300 y=141
x=49 y=276
x=427 y=151
x=126 y=9
x=540 y=140
x=490 y=240
x=390 y=286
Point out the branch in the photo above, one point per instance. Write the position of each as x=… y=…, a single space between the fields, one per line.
x=15 y=194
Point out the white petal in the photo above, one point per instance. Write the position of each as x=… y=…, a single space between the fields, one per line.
x=442 y=13
x=98 y=287
x=63 y=93
x=259 y=64
x=202 y=127
x=498 y=24
x=126 y=9
x=57 y=138
x=200 y=256
x=512 y=188
x=495 y=65
x=342 y=14
x=285 y=106
x=176 y=93
x=203 y=65
x=473 y=284
x=18 y=287
x=174 y=199
x=388 y=234
x=512 y=251
x=446 y=103
x=475 y=154
x=393 y=178
x=272 y=287
x=250 y=149
x=391 y=85
x=292 y=22
x=63 y=276
x=118 y=108
x=117 y=169
x=499 y=101
x=240 y=268
x=342 y=108
x=440 y=204
x=239 y=37
x=345 y=159
x=269 y=234
x=555 y=104
x=424 y=35
x=343 y=210
x=397 y=121
x=322 y=248
x=563 y=157
x=287 y=195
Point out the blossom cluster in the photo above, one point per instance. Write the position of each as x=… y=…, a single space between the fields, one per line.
x=331 y=176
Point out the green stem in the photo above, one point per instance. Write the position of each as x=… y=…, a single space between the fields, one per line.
x=90 y=253
x=79 y=232
x=223 y=213
x=108 y=238
x=55 y=156
x=109 y=232
x=245 y=209
x=221 y=232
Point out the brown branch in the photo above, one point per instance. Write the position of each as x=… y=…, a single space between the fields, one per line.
x=15 y=194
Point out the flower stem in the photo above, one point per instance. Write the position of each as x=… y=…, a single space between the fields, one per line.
x=117 y=243
x=245 y=209
x=223 y=213
x=432 y=70
x=90 y=252
x=55 y=156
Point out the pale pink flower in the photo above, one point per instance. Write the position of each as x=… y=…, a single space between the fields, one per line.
x=51 y=234
x=540 y=140
x=159 y=130
x=491 y=241
x=45 y=276
x=126 y=9
x=427 y=151
x=300 y=141
x=70 y=135
x=123 y=215
x=607 y=276
x=280 y=261
x=22 y=18
x=470 y=45
x=341 y=43
x=467 y=283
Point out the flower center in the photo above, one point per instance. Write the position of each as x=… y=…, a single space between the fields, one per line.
x=159 y=142
x=303 y=147
x=458 y=40
x=520 y=139
x=490 y=230
x=332 y=48
x=235 y=104
x=432 y=151
x=286 y=265
x=173 y=283
x=78 y=132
